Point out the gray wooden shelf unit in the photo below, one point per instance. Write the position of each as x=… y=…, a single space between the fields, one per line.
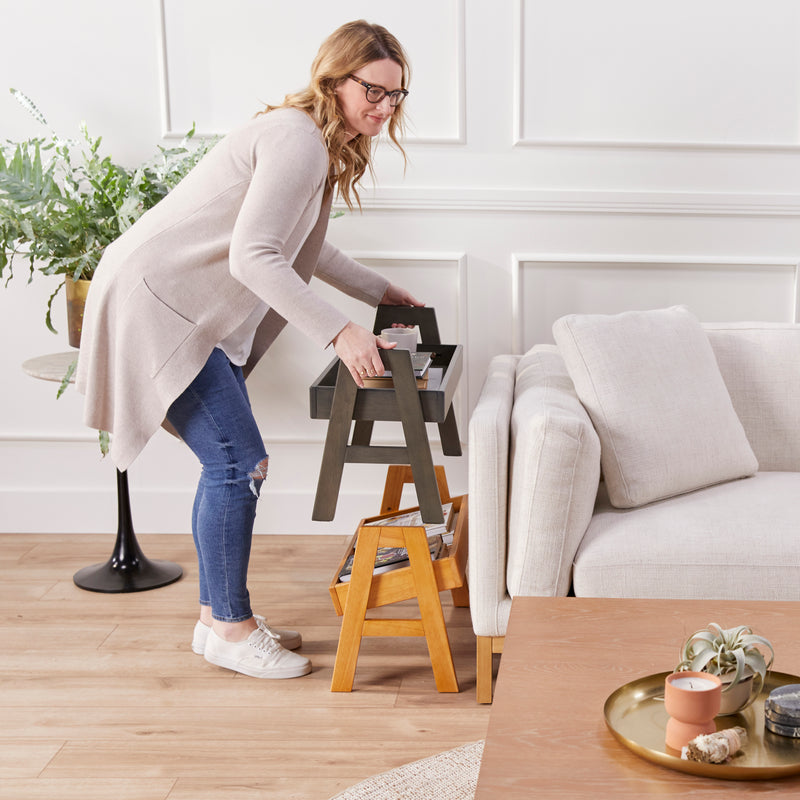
x=334 y=396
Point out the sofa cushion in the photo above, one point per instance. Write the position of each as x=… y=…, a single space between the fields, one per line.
x=652 y=387
x=760 y=363
x=554 y=475
x=736 y=541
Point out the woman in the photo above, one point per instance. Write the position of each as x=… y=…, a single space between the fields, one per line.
x=185 y=303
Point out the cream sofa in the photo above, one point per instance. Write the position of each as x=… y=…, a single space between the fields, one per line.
x=688 y=505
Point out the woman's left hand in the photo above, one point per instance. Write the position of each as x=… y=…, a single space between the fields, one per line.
x=397 y=296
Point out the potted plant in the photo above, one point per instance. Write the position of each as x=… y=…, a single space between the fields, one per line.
x=62 y=202
x=738 y=656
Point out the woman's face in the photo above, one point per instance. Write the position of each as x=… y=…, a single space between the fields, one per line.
x=361 y=116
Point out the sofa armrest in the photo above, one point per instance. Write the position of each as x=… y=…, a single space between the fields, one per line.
x=553 y=478
x=489 y=429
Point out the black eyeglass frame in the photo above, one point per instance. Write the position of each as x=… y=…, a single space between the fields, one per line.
x=395 y=97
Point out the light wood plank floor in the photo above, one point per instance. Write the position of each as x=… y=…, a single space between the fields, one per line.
x=101 y=696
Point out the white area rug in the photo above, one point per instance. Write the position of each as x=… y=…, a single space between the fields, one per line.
x=452 y=775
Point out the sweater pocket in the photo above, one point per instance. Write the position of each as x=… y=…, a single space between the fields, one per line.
x=153 y=330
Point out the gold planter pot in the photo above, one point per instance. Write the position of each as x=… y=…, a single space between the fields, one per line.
x=76 y=301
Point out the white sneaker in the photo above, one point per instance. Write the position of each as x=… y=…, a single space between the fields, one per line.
x=291 y=640
x=259 y=656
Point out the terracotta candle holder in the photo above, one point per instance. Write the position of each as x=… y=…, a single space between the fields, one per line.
x=692 y=700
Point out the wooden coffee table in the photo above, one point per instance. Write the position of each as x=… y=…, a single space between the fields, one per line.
x=562 y=659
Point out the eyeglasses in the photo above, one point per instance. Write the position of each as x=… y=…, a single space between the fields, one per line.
x=376 y=93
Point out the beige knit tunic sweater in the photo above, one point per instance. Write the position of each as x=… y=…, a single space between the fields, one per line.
x=246 y=226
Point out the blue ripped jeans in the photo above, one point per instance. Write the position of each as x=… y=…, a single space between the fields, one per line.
x=213 y=416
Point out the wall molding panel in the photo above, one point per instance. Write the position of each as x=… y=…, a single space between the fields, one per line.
x=617 y=78
x=539 y=201
x=716 y=289
x=191 y=33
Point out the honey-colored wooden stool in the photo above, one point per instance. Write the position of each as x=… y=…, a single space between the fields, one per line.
x=423 y=579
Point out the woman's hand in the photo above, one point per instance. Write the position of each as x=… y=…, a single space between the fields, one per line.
x=358 y=350
x=397 y=296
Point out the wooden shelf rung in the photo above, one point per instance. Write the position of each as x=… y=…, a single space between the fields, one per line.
x=376 y=454
x=393 y=627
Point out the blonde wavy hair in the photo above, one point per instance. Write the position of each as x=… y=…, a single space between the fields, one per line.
x=346 y=50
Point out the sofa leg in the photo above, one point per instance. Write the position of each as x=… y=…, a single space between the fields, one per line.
x=486 y=647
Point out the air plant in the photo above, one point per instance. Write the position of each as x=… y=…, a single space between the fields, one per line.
x=733 y=654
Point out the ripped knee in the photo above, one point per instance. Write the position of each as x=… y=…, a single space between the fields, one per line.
x=259 y=473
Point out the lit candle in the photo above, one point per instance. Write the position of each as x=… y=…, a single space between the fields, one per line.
x=692 y=700
x=693 y=684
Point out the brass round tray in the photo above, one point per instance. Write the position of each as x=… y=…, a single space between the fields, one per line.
x=636 y=716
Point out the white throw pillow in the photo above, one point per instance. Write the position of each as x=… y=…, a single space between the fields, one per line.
x=654 y=392
x=760 y=364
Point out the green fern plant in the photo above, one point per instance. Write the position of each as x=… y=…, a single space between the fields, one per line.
x=62 y=202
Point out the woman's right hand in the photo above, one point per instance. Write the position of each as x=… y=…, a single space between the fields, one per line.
x=358 y=350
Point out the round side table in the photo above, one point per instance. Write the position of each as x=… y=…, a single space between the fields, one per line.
x=128 y=569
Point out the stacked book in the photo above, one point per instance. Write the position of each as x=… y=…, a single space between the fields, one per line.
x=440 y=536
x=420 y=362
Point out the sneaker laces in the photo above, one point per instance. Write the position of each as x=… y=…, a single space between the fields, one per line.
x=264 y=641
x=262 y=624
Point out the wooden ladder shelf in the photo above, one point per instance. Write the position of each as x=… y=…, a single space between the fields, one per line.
x=423 y=579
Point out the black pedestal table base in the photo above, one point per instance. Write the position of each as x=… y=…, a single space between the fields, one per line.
x=128 y=569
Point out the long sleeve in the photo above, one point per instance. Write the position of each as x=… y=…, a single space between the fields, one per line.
x=280 y=209
x=350 y=277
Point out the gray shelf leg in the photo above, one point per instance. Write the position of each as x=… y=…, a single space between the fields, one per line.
x=334 y=454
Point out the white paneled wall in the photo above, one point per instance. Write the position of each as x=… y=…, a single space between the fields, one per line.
x=719 y=289
x=214 y=64
x=564 y=156
x=638 y=74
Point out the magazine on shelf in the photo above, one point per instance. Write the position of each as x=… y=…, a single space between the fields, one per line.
x=390 y=558
x=419 y=364
x=411 y=519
